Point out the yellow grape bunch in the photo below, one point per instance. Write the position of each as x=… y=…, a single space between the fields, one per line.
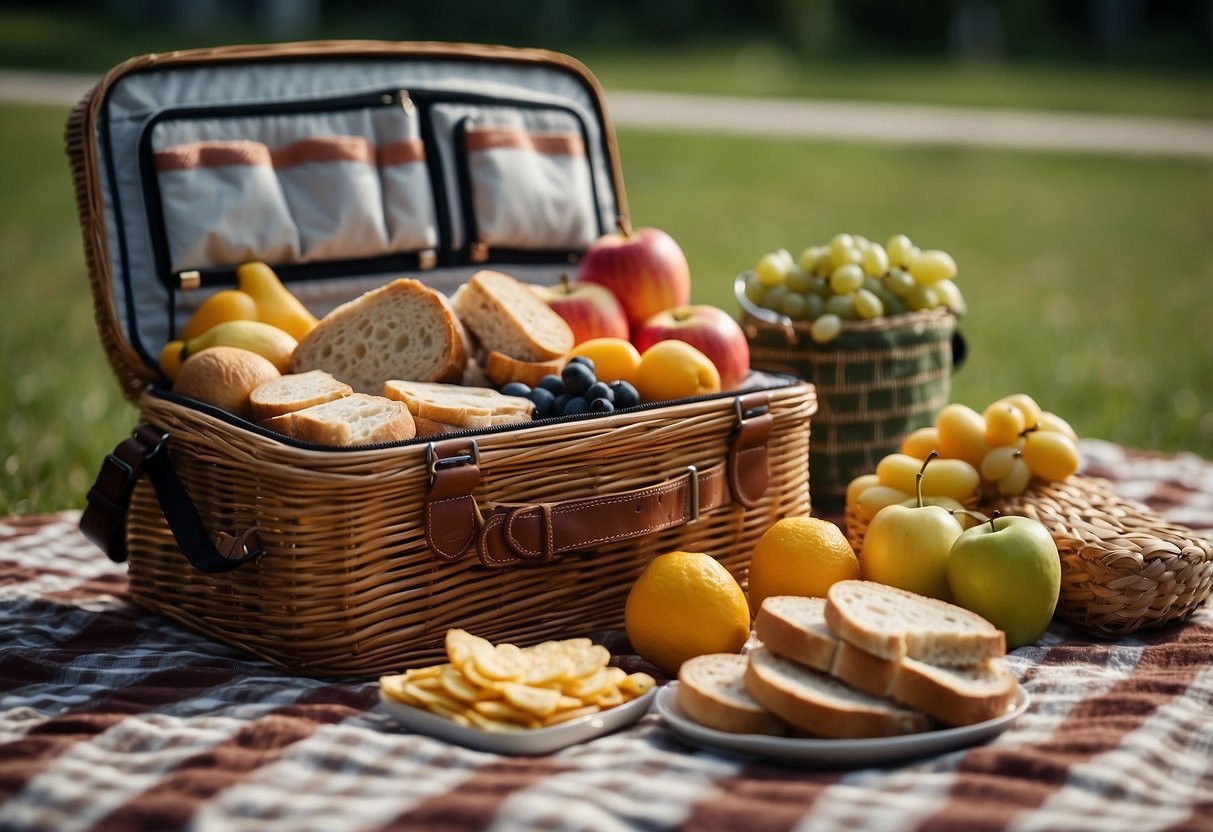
x=853 y=278
x=1011 y=443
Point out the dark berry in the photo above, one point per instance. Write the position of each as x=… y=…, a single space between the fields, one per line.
x=577 y=378
x=545 y=403
x=599 y=390
x=516 y=388
x=625 y=394
x=553 y=383
x=581 y=359
x=561 y=401
x=574 y=406
x=602 y=406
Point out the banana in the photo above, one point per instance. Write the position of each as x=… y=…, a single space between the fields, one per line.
x=256 y=336
x=224 y=305
x=275 y=303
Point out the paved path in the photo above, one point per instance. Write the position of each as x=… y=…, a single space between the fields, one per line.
x=884 y=123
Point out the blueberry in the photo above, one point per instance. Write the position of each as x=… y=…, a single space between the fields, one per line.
x=561 y=401
x=574 y=406
x=599 y=390
x=581 y=359
x=577 y=378
x=602 y=406
x=544 y=401
x=516 y=388
x=625 y=394
x=553 y=383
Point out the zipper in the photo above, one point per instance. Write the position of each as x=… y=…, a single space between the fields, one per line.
x=413 y=103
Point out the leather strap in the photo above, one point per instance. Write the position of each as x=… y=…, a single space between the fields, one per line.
x=104 y=519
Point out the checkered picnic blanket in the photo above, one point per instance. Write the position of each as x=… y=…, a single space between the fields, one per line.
x=112 y=718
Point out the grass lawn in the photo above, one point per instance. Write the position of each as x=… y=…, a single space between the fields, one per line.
x=1089 y=278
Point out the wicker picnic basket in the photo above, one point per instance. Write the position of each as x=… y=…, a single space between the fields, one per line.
x=876 y=383
x=1123 y=567
x=355 y=561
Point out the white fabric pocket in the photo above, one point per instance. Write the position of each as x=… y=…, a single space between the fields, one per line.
x=529 y=189
x=408 y=200
x=222 y=205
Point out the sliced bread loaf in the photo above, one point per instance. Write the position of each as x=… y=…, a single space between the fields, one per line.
x=507 y=317
x=402 y=330
x=295 y=392
x=711 y=691
x=357 y=419
x=501 y=369
x=893 y=623
x=821 y=705
x=456 y=405
x=796 y=628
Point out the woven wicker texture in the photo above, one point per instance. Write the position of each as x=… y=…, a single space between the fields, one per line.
x=876 y=383
x=1123 y=567
x=348 y=586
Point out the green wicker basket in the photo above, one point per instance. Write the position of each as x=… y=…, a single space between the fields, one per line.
x=877 y=382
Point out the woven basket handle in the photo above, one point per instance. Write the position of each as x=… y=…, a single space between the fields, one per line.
x=536 y=533
x=104 y=519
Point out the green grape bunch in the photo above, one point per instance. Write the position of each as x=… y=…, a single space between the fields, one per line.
x=852 y=278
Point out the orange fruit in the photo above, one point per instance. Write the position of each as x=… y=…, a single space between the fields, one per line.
x=800 y=556
x=675 y=370
x=615 y=359
x=685 y=604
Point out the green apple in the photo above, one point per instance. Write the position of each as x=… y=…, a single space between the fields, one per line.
x=907 y=546
x=1007 y=571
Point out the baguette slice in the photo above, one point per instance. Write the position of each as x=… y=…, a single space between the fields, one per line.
x=795 y=628
x=357 y=419
x=823 y=706
x=295 y=392
x=456 y=405
x=501 y=369
x=711 y=691
x=892 y=623
x=402 y=330
x=507 y=317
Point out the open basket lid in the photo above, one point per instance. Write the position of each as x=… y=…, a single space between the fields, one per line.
x=342 y=164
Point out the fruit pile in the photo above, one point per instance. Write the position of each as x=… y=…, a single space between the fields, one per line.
x=575 y=391
x=853 y=278
x=997 y=452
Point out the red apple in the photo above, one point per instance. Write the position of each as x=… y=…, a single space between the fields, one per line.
x=590 y=310
x=709 y=329
x=645 y=269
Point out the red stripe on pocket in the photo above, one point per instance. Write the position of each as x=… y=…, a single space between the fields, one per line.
x=212 y=154
x=514 y=138
x=401 y=153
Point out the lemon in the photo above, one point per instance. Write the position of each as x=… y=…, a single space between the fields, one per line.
x=800 y=556
x=685 y=604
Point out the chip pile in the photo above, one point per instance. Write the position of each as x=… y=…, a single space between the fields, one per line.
x=504 y=687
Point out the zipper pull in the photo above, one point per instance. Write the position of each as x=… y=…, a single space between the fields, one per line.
x=406 y=103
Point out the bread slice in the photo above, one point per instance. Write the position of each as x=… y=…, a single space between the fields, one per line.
x=501 y=369
x=357 y=419
x=402 y=330
x=507 y=317
x=893 y=623
x=821 y=705
x=456 y=405
x=795 y=627
x=295 y=392
x=711 y=691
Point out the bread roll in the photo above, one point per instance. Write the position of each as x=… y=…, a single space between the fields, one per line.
x=224 y=377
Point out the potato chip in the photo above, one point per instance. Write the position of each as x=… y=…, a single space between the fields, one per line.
x=545 y=668
x=565 y=716
x=393 y=686
x=460 y=644
x=505 y=662
x=587 y=660
x=637 y=684
x=609 y=698
x=486 y=723
x=590 y=687
x=433 y=698
x=489 y=688
x=505 y=712
x=457 y=685
x=413 y=674
x=533 y=700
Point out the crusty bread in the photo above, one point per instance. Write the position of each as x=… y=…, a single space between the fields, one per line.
x=295 y=391
x=795 y=628
x=224 y=377
x=402 y=330
x=357 y=419
x=822 y=706
x=893 y=623
x=711 y=691
x=501 y=369
x=507 y=317
x=456 y=405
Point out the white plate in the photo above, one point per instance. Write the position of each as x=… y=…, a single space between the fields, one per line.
x=526 y=742
x=836 y=753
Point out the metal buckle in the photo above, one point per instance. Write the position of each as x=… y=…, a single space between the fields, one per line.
x=692 y=494
x=237 y=548
x=433 y=462
x=741 y=415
